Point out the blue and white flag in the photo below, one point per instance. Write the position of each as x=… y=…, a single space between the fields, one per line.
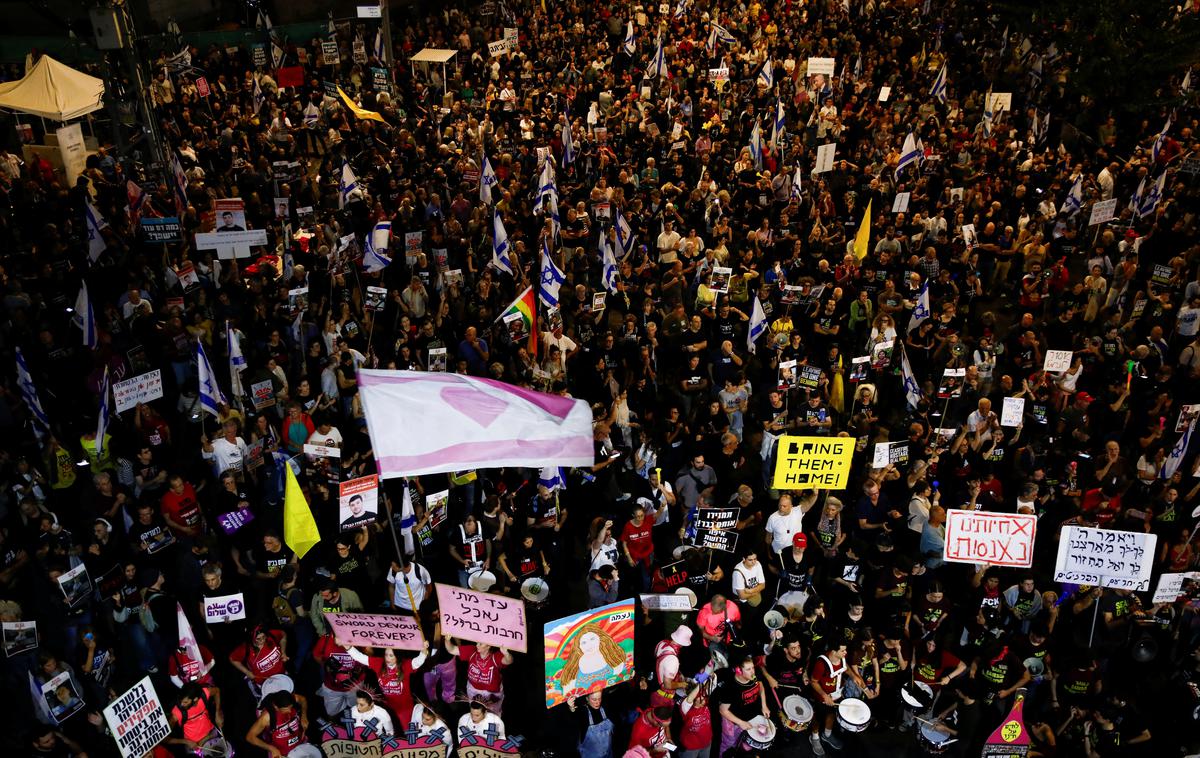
x=378 y=49
x=630 y=43
x=102 y=418
x=1035 y=73
x=987 y=114
x=797 y=192
x=259 y=97
x=938 y=90
x=552 y=478
x=910 y=153
x=1186 y=85
x=180 y=182
x=1160 y=141
x=766 y=75
x=500 y=250
x=347 y=184
x=1135 y=202
x=680 y=10
x=552 y=277
x=912 y=390
x=210 y=391
x=546 y=186
x=1149 y=203
x=95 y=223
x=608 y=263
x=920 y=313
x=1074 y=200
x=312 y=115
x=625 y=236
x=85 y=317
x=758 y=325
x=568 y=142
x=1173 y=460
x=408 y=519
x=658 y=64
x=858 y=67
x=237 y=361
x=724 y=34
x=379 y=239
x=41 y=422
x=487 y=180
x=756 y=148
x=779 y=127
x=710 y=44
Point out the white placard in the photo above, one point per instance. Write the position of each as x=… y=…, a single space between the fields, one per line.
x=996 y=539
x=884 y=94
x=218 y=610
x=718 y=74
x=1105 y=557
x=1057 y=360
x=821 y=66
x=1013 y=412
x=369 y=11
x=136 y=720
x=322 y=451
x=667 y=602
x=1170 y=586
x=1001 y=101
x=231 y=245
x=969 y=236
x=825 y=155
x=1105 y=210
x=139 y=389
x=900 y=204
x=72 y=150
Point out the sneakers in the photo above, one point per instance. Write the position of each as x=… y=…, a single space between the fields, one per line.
x=832 y=740
x=818 y=749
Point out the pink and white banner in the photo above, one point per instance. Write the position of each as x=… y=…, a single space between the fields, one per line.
x=428 y=423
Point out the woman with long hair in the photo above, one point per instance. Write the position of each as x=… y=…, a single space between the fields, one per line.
x=594 y=657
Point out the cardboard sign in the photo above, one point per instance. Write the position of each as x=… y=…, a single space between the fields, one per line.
x=889 y=453
x=358 y=502
x=322 y=451
x=825 y=154
x=375 y=630
x=162 y=230
x=1001 y=101
x=202 y=87
x=136 y=720
x=374 y=300
x=900 y=203
x=329 y=53
x=669 y=602
x=1105 y=557
x=1057 y=360
x=718 y=74
x=589 y=651
x=263 y=394
x=75 y=584
x=821 y=66
x=1170 y=586
x=725 y=541
x=483 y=617
x=369 y=11
x=821 y=463
x=139 y=389
x=1105 y=210
x=717 y=519
x=884 y=94
x=230 y=245
x=1013 y=412
x=218 y=610
x=997 y=539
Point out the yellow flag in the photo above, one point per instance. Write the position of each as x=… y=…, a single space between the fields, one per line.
x=359 y=112
x=863 y=235
x=299 y=527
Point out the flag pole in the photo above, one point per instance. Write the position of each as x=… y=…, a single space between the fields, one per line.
x=400 y=555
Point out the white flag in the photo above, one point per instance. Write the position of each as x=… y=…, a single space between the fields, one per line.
x=758 y=325
x=210 y=391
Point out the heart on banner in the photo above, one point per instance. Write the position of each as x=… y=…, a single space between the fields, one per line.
x=478 y=406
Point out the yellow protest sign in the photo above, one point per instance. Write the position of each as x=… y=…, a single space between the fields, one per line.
x=813 y=463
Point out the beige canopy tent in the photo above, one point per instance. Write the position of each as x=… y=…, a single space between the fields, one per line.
x=53 y=90
x=433 y=55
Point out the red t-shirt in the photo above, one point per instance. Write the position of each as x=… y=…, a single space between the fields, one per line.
x=393 y=683
x=182 y=508
x=264 y=662
x=483 y=672
x=697 y=729
x=647 y=735
x=638 y=540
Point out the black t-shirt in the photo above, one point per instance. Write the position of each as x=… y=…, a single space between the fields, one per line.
x=784 y=671
x=743 y=698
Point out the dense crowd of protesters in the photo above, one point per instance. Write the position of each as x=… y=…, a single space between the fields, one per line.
x=687 y=408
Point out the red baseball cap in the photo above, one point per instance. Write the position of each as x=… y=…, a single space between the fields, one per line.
x=799 y=540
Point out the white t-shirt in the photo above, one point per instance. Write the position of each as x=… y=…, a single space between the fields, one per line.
x=226 y=455
x=332 y=438
x=480 y=729
x=1188 y=321
x=918 y=514
x=609 y=552
x=781 y=528
x=745 y=577
x=376 y=718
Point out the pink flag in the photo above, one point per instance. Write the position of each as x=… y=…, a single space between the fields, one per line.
x=187 y=640
x=426 y=423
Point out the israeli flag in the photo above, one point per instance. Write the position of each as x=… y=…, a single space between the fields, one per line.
x=347 y=184
x=95 y=223
x=912 y=390
x=379 y=239
x=710 y=44
x=312 y=114
x=608 y=261
x=758 y=325
x=552 y=277
x=1035 y=72
x=568 y=142
x=987 y=114
x=85 y=316
x=546 y=186
x=1135 y=202
x=181 y=183
x=1186 y=85
x=1074 y=199
x=1173 y=460
x=938 y=90
x=724 y=34
x=552 y=478
x=680 y=10
x=1150 y=201
x=1160 y=141
x=41 y=422
x=210 y=391
x=500 y=249
x=630 y=44
x=797 y=191
x=625 y=236
x=766 y=75
x=259 y=97
x=379 y=45
x=487 y=180
x=920 y=313
x=658 y=64
x=756 y=149
x=237 y=361
x=102 y=420
x=779 y=127
x=910 y=153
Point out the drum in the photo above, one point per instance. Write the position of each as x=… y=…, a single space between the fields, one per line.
x=481 y=581
x=917 y=696
x=687 y=592
x=214 y=747
x=536 y=592
x=853 y=715
x=797 y=713
x=760 y=735
x=932 y=741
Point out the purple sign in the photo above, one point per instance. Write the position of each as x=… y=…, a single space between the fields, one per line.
x=234 y=520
